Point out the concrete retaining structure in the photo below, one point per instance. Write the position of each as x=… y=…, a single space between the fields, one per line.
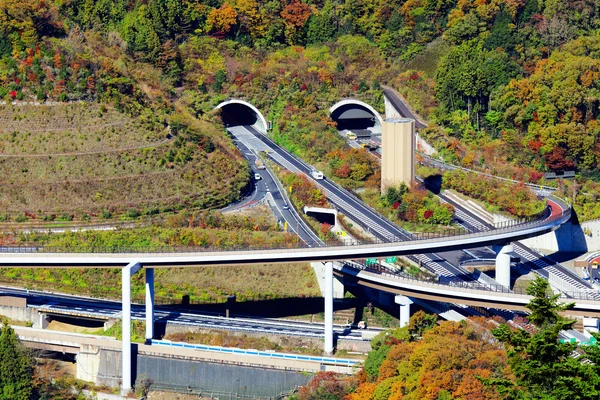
x=571 y=237
x=24 y=314
x=212 y=377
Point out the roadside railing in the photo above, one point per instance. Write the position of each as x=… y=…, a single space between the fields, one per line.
x=427 y=237
x=457 y=283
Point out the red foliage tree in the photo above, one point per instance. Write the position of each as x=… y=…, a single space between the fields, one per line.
x=557 y=160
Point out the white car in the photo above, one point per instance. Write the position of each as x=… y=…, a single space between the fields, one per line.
x=257 y=177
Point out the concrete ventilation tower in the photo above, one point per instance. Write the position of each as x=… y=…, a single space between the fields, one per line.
x=397 y=152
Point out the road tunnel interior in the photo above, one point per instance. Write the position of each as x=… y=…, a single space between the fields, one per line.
x=236 y=114
x=323 y=218
x=76 y=322
x=355 y=118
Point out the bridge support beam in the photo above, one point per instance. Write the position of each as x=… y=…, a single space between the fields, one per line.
x=126 y=273
x=503 y=264
x=149 y=305
x=404 y=303
x=328 y=308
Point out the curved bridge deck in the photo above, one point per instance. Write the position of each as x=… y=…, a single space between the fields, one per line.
x=189 y=256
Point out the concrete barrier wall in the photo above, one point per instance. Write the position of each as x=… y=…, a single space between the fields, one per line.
x=569 y=237
x=19 y=313
x=13 y=301
x=209 y=377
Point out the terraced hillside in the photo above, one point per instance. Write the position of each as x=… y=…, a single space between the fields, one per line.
x=84 y=161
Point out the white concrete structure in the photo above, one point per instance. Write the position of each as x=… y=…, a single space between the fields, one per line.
x=591 y=325
x=126 y=273
x=503 y=264
x=321 y=210
x=349 y=102
x=397 y=152
x=338 y=283
x=404 y=303
x=570 y=236
x=328 y=308
x=261 y=123
x=88 y=363
x=149 y=304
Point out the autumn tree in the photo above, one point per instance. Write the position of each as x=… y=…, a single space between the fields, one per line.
x=222 y=19
x=544 y=367
x=295 y=15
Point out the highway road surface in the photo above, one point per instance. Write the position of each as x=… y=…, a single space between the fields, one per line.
x=84 y=307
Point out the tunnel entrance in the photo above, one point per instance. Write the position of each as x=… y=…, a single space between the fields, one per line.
x=356 y=117
x=323 y=218
x=241 y=113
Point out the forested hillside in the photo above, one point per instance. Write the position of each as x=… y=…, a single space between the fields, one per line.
x=508 y=86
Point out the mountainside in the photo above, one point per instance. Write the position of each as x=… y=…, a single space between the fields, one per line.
x=509 y=86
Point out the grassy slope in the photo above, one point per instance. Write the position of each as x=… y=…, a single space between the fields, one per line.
x=82 y=158
x=201 y=284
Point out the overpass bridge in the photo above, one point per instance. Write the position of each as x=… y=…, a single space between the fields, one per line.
x=137 y=258
x=392 y=241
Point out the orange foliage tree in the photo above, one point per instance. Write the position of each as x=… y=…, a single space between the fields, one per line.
x=448 y=362
x=222 y=19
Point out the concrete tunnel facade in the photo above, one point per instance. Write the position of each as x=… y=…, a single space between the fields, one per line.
x=353 y=114
x=236 y=112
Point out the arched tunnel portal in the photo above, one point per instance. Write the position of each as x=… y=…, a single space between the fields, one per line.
x=356 y=116
x=235 y=112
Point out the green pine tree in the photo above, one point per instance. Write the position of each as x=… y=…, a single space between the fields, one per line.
x=16 y=382
x=544 y=367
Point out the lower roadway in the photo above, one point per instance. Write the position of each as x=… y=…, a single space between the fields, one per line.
x=96 y=309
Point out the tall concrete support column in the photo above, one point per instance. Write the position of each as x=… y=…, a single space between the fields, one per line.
x=329 y=308
x=503 y=264
x=149 y=304
x=397 y=152
x=126 y=273
x=404 y=303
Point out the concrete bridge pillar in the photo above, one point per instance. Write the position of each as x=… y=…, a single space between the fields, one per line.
x=591 y=324
x=328 y=308
x=88 y=363
x=338 y=283
x=503 y=264
x=149 y=304
x=126 y=273
x=404 y=303
x=43 y=322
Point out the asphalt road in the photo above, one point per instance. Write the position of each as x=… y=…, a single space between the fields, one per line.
x=278 y=201
x=83 y=307
x=402 y=108
x=354 y=208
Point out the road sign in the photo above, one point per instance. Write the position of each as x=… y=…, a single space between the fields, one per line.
x=391 y=259
x=371 y=261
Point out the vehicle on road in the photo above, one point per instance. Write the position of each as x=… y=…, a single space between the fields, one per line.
x=316 y=174
x=351 y=136
x=286 y=206
x=257 y=177
x=259 y=164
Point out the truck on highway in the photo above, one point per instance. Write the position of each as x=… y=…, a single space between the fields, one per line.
x=259 y=164
x=316 y=174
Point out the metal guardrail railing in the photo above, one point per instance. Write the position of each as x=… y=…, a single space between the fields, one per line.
x=430 y=237
x=261 y=353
